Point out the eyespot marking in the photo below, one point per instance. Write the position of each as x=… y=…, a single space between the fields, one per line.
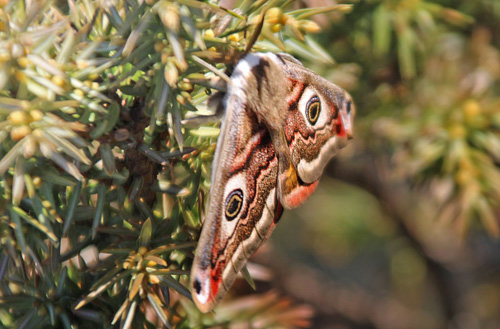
x=197 y=286
x=234 y=203
x=313 y=109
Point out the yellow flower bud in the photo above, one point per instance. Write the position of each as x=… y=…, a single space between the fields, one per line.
x=19 y=118
x=4 y=57
x=164 y=58
x=471 y=109
x=171 y=74
x=285 y=19
x=79 y=92
x=275 y=28
x=36 y=115
x=186 y=85
x=19 y=132
x=29 y=148
x=142 y=251
x=23 y=62
x=159 y=46
x=180 y=99
x=58 y=80
x=153 y=279
x=235 y=37
x=37 y=133
x=37 y=181
x=310 y=27
x=209 y=33
x=20 y=76
x=169 y=15
x=273 y=15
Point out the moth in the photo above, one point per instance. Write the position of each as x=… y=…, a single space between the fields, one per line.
x=282 y=123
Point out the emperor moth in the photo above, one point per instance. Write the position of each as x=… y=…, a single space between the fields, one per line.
x=282 y=124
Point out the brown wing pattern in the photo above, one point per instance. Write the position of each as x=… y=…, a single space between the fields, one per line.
x=271 y=139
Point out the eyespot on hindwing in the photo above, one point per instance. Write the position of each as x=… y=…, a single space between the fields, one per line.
x=313 y=109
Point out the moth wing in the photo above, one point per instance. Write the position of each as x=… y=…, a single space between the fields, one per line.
x=281 y=127
x=243 y=206
x=318 y=123
x=269 y=98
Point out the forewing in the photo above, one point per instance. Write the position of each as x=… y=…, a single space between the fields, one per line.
x=243 y=206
